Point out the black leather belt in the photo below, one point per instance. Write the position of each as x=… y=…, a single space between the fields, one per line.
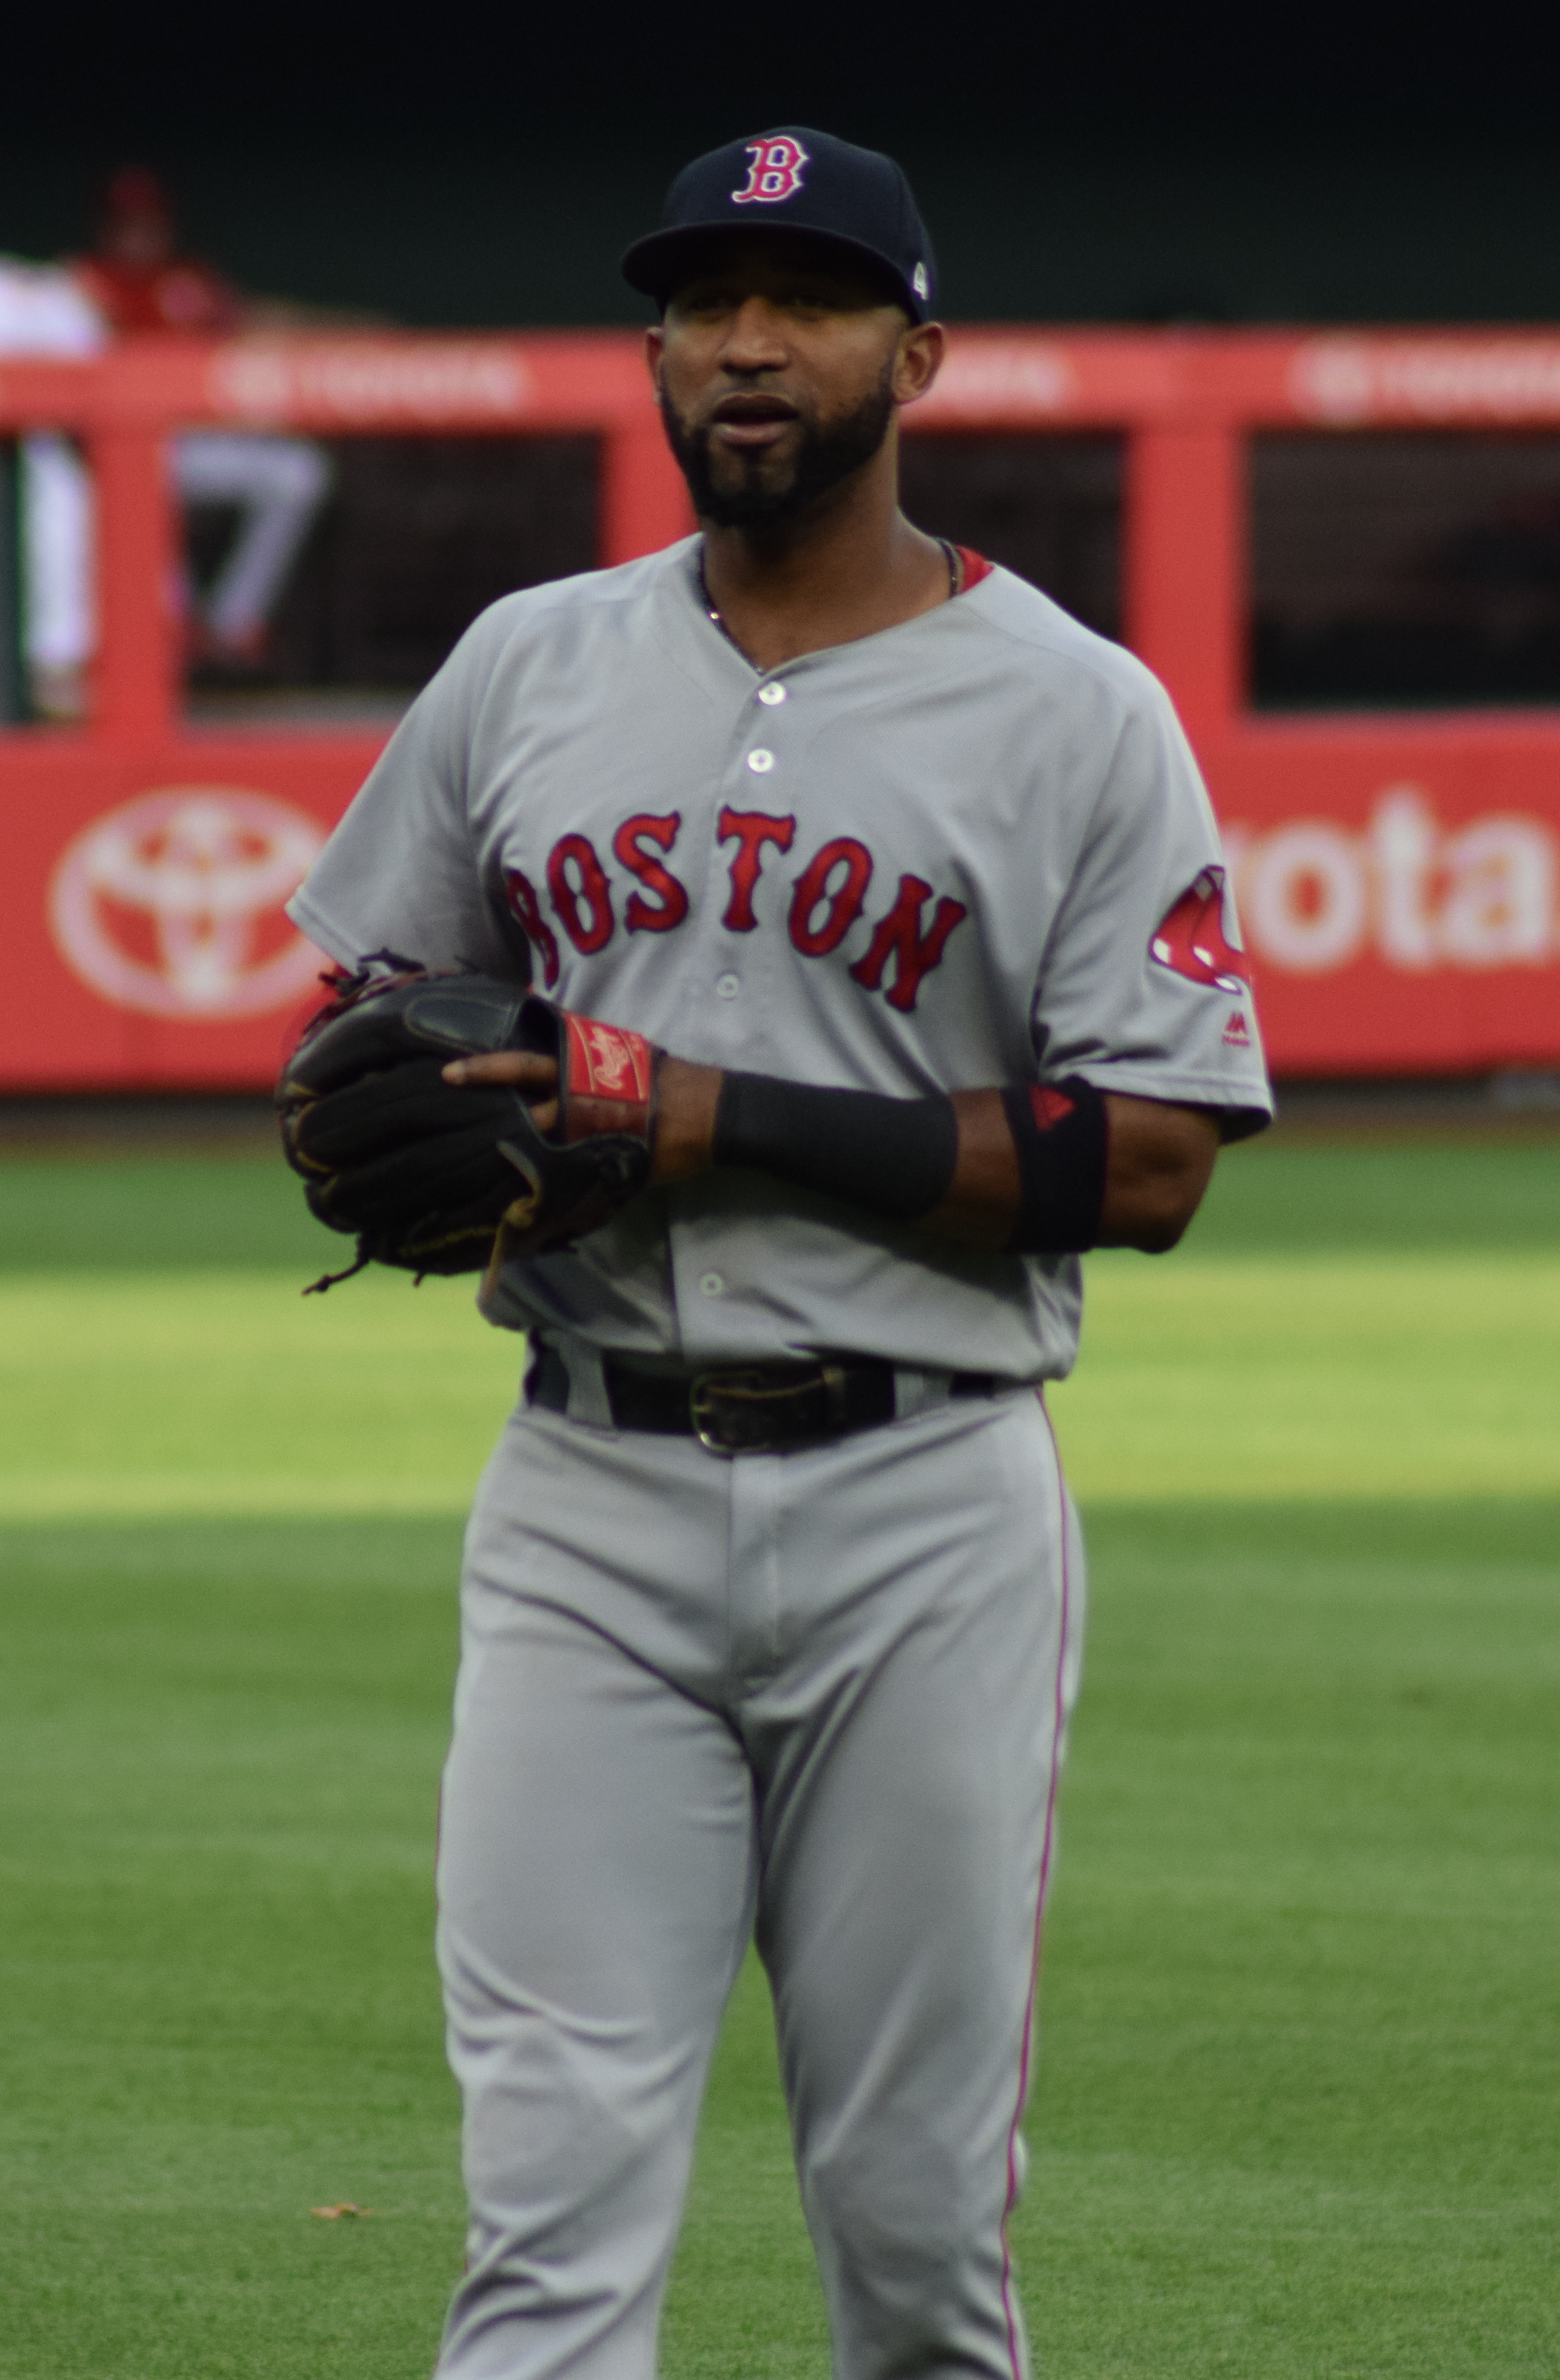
x=747 y=1408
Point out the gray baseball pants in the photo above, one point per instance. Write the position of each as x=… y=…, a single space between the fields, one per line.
x=822 y=1695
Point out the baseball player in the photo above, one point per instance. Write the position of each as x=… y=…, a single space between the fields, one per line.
x=836 y=935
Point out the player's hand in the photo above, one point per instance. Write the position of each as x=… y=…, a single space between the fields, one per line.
x=685 y=1102
x=532 y=1074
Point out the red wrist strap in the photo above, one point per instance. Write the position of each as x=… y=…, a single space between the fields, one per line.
x=608 y=1079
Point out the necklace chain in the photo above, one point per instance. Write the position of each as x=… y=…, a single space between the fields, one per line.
x=951 y=555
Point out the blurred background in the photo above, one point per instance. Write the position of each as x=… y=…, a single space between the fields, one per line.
x=1298 y=2095
x=1201 y=166
x=1113 y=164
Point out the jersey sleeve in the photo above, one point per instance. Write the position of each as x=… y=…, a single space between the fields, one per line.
x=1144 y=987
x=400 y=874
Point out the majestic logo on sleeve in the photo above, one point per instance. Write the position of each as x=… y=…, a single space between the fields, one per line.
x=1190 y=939
x=774 y=170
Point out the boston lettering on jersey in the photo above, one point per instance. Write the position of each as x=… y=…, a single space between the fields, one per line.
x=827 y=898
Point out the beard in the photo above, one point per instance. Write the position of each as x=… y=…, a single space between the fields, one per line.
x=753 y=491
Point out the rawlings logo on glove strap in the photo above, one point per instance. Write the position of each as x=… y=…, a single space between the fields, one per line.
x=609 y=1078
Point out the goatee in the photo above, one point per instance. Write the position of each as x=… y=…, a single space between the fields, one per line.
x=826 y=453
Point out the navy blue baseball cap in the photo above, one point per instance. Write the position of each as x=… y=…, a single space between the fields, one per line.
x=793 y=179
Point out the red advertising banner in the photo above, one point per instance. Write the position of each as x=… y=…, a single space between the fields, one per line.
x=1397 y=873
x=143 y=908
x=1399 y=894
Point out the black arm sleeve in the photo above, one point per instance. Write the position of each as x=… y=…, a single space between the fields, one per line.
x=896 y=1158
x=892 y=1157
x=1062 y=1137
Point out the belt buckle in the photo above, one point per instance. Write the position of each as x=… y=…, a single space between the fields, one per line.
x=728 y=1410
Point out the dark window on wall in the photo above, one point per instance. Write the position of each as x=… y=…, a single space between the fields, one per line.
x=1048 y=506
x=411 y=538
x=1405 y=568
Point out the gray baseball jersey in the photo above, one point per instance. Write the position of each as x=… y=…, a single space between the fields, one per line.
x=967 y=851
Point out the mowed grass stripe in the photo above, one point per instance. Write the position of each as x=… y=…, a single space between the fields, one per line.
x=1360 y=1376
x=192 y=1210
x=141 y=1394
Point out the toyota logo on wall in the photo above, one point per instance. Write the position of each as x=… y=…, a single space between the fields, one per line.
x=171 y=903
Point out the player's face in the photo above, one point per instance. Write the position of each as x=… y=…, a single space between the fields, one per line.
x=779 y=373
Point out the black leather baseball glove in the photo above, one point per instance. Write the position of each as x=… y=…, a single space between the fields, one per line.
x=423 y=1172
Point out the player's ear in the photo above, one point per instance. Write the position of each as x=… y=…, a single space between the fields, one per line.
x=655 y=347
x=918 y=362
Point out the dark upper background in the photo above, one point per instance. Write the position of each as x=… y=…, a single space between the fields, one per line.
x=1104 y=160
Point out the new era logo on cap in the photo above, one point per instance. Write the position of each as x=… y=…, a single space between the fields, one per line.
x=774 y=172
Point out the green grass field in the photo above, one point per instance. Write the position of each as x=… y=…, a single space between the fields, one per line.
x=1298 y=2097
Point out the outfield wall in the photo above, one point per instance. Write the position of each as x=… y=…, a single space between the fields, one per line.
x=1342 y=554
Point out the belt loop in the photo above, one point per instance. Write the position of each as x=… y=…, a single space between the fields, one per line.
x=589 y=1400
x=917 y=1392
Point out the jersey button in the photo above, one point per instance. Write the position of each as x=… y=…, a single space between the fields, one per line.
x=712 y=1284
x=760 y=762
x=771 y=693
x=728 y=985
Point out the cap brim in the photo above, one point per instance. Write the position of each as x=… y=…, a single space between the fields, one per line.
x=658 y=264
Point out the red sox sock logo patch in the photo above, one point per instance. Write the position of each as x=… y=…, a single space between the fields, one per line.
x=774 y=170
x=1190 y=942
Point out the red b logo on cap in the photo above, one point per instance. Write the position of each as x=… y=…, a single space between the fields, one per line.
x=774 y=172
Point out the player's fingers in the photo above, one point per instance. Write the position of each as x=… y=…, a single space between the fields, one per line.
x=526 y=1067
